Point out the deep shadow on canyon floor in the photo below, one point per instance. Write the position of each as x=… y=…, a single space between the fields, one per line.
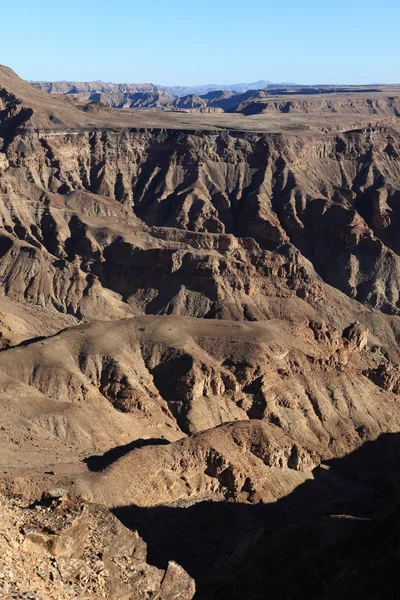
x=336 y=536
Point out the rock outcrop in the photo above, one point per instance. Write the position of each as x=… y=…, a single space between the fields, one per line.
x=63 y=548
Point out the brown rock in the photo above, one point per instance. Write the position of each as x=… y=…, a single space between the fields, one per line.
x=356 y=336
x=126 y=544
x=172 y=296
x=177 y=584
x=64 y=532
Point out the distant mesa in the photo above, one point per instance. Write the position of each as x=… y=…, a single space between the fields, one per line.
x=245 y=98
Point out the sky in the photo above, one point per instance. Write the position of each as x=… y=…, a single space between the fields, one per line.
x=177 y=42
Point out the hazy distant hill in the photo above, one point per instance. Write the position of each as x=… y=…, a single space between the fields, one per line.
x=258 y=97
x=73 y=87
x=180 y=90
x=90 y=87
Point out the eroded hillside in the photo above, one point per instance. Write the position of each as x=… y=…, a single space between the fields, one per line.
x=196 y=315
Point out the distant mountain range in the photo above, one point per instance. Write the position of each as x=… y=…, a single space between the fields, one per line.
x=246 y=98
x=231 y=87
x=91 y=87
x=74 y=87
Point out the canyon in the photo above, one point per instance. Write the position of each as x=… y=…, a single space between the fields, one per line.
x=199 y=359
x=253 y=100
x=248 y=99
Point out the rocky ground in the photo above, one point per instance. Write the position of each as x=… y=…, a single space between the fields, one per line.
x=199 y=325
x=61 y=548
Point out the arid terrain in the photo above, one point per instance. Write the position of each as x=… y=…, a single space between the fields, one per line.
x=258 y=98
x=199 y=345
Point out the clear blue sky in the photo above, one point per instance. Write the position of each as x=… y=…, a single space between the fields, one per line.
x=207 y=41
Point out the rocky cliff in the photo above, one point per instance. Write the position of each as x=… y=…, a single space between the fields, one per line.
x=248 y=100
x=241 y=205
x=198 y=316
